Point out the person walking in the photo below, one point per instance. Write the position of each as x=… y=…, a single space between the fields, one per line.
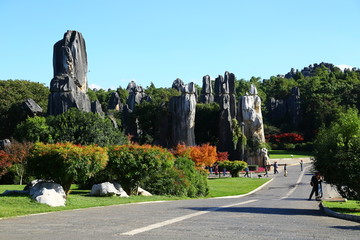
x=285 y=170
x=276 y=165
x=315 y=181
x=246 y=172
x=301 y=164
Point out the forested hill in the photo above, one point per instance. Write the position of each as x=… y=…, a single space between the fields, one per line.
x=325 y=91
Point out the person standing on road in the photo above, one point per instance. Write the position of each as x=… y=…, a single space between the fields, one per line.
x=315 y=180
x=276 y=165
x=301 y=164
x=285 y=170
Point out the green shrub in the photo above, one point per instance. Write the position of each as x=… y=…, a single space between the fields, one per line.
x=131 y=164
x=289 y=146
x=196 y=177
x=65 y=163
x=233 y=166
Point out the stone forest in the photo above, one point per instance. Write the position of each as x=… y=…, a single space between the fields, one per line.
x=69 y=90
x=242 y=118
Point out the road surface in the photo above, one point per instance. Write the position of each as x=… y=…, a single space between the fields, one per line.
x=280 y=210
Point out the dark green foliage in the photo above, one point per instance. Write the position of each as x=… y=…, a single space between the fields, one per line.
x=34 y=129
x=72 y=126
x=149 y=116
x=13 y=93
x=234 y=167
x=337 y=153
x=154 y=169
x=197 y=178
x=131 y=164
x=207 y=123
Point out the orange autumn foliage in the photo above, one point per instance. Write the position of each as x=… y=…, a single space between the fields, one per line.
x=204 y=155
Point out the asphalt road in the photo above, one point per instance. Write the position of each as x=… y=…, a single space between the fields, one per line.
x=280 y=210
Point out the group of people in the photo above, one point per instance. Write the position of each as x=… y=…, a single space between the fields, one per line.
x=315 y=182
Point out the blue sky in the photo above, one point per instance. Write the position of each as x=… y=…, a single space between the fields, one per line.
x=159 y=41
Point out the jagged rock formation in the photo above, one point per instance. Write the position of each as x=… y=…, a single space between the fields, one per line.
x=182 y=111
x=286 y=110
x=225 y=95
x=96 y=108
x=206 y=91
x=115 y=102
x=136 y=95
x=250 y=114
x=69 y=85
x=31 y=108
x=178 y=84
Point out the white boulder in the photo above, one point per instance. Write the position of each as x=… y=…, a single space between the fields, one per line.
x=108 y=189
x=49 y=193
x=143 y=192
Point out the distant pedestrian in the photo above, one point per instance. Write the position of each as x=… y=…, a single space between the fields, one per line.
x=315 y=181
x=276 y=165
x=285 y=170
x=246 y=172
x=216 y=169
x=301 y=164
x=211 y=170
x=224 y=171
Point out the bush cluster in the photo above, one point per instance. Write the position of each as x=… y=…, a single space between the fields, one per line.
x=153 y=168
x=234 y=167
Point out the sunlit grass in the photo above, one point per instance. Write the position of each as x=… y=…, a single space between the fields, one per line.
x=23 y=205
x=349 y=207
x=289 y=154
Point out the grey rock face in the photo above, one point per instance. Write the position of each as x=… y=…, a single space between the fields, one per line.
x=178 y=84
x=96 y=108
x=206 y=92
x=31 y=108
x=115 y=102
x=251 y=116
x=182 y=110
x=136 y=95
x=224 y=88
x=286 y=110
x=69 y=85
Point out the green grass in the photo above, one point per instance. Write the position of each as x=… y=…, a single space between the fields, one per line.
x=220 y=187
x=349 y=207
x=289 y=154
x=12 y=206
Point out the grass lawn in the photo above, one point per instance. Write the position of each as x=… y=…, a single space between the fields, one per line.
x=220 y=187
x=23 y=205
x=288 y=154
x=349 y=207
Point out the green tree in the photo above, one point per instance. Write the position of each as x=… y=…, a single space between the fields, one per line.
x=33 y=129
x=207 y=123
x=132 y=164
x=337 y=153
x=65 y=163
x=13 y=93
x=84 y=128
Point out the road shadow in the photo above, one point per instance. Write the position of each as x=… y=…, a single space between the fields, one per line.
x=347 y=227
x=262 y=210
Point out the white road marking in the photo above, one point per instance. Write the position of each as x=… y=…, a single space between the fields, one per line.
x=182 y=218
x=296 y=184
